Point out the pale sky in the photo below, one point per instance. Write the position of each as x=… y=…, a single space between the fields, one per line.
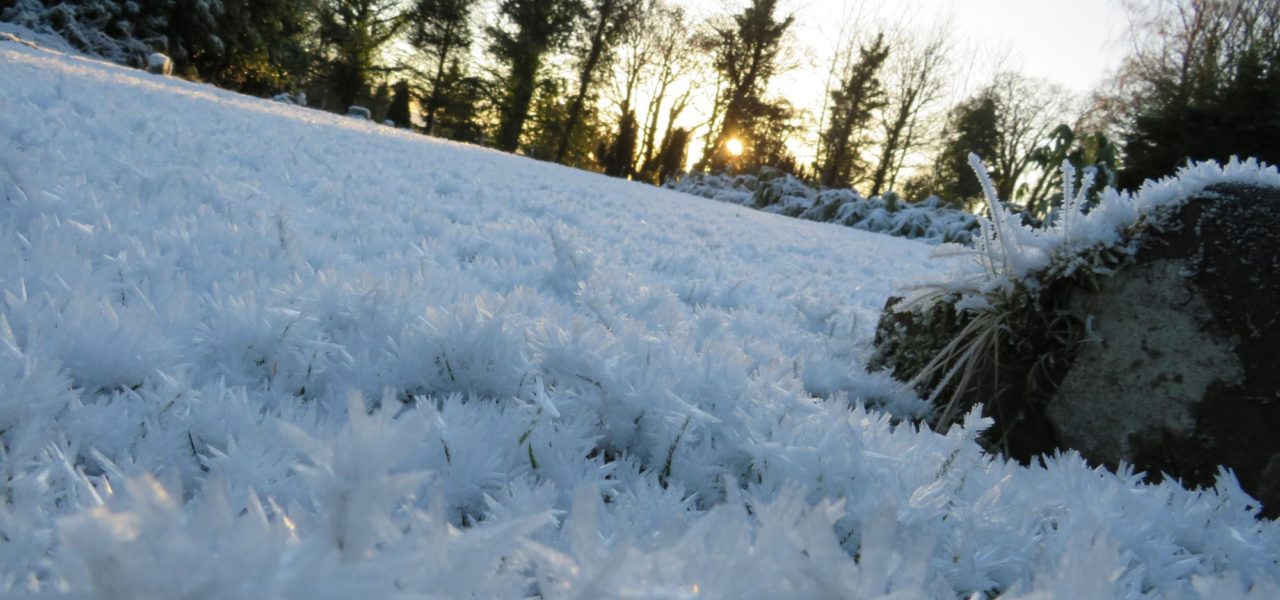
x=1071 y=42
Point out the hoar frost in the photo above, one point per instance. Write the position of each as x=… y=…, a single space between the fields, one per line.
x=237 y=362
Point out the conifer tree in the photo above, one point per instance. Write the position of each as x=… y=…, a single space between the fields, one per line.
x=746 y=51
x=398 y=112
x=971 y=129
x=534 y=27
x=353 y=33
x=261 y=46
x=671 y=156
x=620 y=156
x=1203 y=83
x=441 y=29
x=853 y=103
x=458 y=116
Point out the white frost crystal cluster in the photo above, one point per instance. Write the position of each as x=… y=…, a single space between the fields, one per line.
x=249 y=350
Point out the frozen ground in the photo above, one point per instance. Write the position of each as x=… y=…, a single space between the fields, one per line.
x=256 y=351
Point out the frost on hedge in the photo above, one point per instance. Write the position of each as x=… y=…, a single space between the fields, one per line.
x=780 y=193
x=108 y=29
x=231 y=367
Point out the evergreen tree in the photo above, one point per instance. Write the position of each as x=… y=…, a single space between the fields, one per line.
x=746 y=54
x=1240 y=119
x=458 y=116
x=671 y=156
x=772 y=123
x=972 y=128
x=852 y=105
x=398 y=112
x=117 y=30
x=620 y=156
x=543 y=135
x=535 y=28
x=189 y=30
x=353 y=33
x=1203 y=82
x=261 y=46
x=441 y=28
x=379 y=102
x=252 y=46
x=1090 y=150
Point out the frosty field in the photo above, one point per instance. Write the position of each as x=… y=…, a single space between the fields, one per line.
x=250 y=350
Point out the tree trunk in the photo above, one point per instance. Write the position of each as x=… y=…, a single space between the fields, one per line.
x=437 y=94
x=892 y=145
x=519 y=98
x=651 y=125
x=594 y=54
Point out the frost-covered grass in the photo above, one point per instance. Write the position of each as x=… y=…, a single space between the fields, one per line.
x=254 y=351
x=1010 y=254
x=779 y=193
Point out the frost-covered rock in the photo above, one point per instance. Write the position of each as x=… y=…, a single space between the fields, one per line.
x=359 y=112
x=1182 y=372
x=1140 y=332
x=159 y=64
x=298 y=99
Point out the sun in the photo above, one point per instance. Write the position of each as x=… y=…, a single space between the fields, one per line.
x=734 y=147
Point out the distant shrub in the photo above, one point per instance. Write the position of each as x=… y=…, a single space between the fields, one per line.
x=780 y=193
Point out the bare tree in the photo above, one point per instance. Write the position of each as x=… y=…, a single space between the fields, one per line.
x=915 y=80
x=674 y=58
x=606 y=24
x=1027 y=111
x=1192 y=86
x=634 y=58
x=1187 y=44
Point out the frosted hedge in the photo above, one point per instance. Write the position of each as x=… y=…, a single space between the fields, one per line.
x=251 y=350
x=772 y=191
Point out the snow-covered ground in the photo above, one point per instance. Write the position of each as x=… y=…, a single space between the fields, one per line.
x=249 y=350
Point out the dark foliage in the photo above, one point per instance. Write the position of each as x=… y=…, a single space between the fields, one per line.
x=1241 y=118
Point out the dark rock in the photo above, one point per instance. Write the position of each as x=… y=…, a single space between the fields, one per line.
x=1171 y=365
x=1013 y=381
x=1186 y=376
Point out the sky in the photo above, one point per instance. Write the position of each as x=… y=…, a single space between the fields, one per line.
x=1074 y=43
x=1071 y=42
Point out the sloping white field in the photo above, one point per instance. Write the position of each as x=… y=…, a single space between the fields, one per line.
x=256 y=351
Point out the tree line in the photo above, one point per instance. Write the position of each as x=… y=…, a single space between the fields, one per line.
x=627 y=87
